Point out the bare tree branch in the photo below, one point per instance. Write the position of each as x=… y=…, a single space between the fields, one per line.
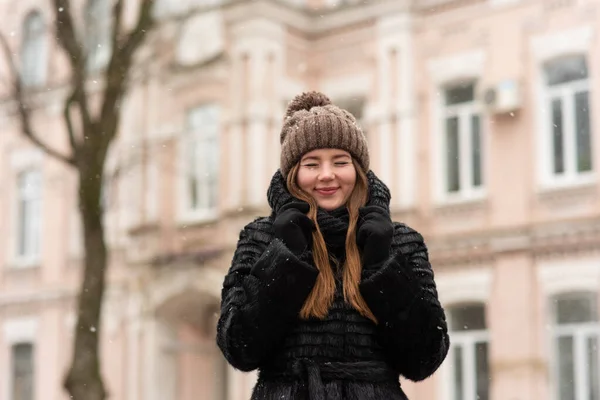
x=137 y=35
x=120 y=65
x=22 y=109
x=116 y=26
x=66 y=33
x=67 y=39
x=69 y=122
x=83 y=380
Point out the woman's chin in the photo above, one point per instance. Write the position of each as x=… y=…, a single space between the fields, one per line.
x=330 y=205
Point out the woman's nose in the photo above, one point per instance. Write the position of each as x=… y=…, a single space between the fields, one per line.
x=326 y=173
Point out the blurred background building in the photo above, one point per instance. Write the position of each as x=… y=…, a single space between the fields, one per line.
x=481 y=116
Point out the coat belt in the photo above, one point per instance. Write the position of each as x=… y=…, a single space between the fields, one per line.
x=359 y=371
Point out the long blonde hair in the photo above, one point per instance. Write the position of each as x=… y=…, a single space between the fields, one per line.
x=321 y=297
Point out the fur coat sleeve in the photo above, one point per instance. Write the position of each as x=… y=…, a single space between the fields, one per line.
x=262 y=293
x=403 y=296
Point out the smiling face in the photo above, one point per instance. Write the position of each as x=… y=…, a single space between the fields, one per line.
x=328 y=175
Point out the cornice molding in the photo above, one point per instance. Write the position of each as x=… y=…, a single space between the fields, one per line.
x=542 y=241
x=313 y=22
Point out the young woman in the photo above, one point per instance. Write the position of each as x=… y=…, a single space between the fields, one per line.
x=328 y=297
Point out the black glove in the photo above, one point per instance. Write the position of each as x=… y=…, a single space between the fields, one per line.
x=374 y=235
x=293 y=227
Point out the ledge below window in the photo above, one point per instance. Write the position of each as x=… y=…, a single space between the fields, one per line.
x=568 y=192
x=23 y=264
x=461 y=199
x=197 y=218
x=462 y=206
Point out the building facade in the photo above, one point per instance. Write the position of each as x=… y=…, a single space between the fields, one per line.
x=481 y=116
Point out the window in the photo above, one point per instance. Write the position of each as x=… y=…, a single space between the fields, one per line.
x=29 y=190
x=462 y=139
x=33 y=50
x=576 y=334
x=468 y=356
x=202 y=158
x=22 y=371
x=567 y=89
x=98 y=33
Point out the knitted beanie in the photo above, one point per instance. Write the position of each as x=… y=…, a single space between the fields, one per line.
x=312 y=122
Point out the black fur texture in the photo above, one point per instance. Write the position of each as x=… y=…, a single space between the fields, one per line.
x=345 y=356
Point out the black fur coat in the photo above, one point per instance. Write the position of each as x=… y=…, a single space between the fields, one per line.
x=344 y=356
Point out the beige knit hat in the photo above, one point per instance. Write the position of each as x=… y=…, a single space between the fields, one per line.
x=312 y=122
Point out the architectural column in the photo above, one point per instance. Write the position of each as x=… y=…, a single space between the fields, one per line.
x=160 y=366
x=515 y=366
x=259 y=45
x=133 y=332
x=395 y=104
x=234 y=131
x=235 y=149
x=257 y=128
x=384 y=166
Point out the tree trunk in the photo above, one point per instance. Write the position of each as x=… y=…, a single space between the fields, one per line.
x=84 y=380
x=88 y=148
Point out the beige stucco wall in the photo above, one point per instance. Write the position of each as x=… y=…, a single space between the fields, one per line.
x=511 y=249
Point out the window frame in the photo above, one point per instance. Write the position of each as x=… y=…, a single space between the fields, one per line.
x=565 y=92
x=546 y=48
x=445 y=72
x=467 y=340
x=33 y=61
x=17 y=331
x=559 y=277
x=13 y=369
x=579 y=332
x=455 y=289
x=191 y=139
x=32 y=259
x=464 y=112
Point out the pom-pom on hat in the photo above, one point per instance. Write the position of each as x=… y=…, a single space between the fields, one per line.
x=313 y=122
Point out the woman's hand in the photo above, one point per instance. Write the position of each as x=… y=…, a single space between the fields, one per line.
x=294 y=227
x=374 y=235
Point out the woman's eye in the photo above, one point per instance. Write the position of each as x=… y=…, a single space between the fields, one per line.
x=310 y=165
x=342 y=163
